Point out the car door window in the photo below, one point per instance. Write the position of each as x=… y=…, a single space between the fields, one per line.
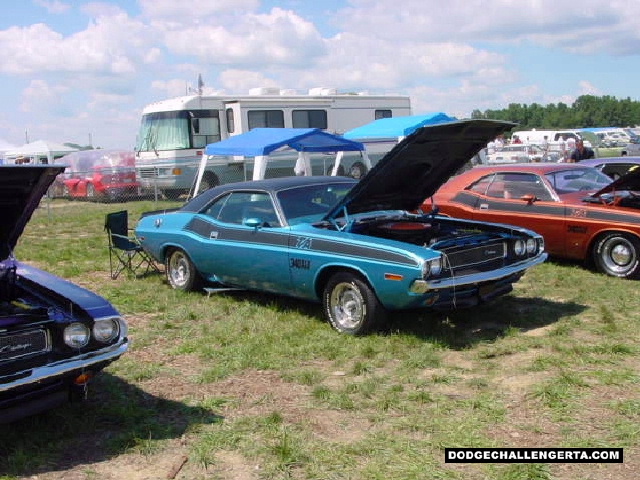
x=517 y=185
x=480 y=186
x=238 y=207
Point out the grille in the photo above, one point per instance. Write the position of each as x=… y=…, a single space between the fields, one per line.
x=480 y=258
x=23 y=344
x=147 y=172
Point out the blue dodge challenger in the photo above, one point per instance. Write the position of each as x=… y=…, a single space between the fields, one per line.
x=359 y=248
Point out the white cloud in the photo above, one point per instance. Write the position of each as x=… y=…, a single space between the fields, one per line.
x=280 y=37
x=53 y=6
x=193 y=10
x=241 y=81
x=592 y=26
x=114 y=45
x=587 y=88
x=41 y=97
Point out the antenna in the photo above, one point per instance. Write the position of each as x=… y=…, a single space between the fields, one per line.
x=200 y=84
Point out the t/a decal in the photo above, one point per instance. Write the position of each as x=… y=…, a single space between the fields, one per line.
x=300 y=263
x=303 y=243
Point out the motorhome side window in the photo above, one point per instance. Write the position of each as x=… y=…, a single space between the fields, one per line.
x=265 y=118
x=310 y=119
x=383 y=114
x=205 y=127
x=231 y=122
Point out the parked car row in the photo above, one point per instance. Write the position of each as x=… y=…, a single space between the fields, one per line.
x=400 y=238
x=521 y=153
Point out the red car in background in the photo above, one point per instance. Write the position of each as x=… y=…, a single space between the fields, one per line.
x=581 y=213
x=106 y=175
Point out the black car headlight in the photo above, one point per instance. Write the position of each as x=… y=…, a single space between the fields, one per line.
x=76 y=335
x=106 y=329
x=519 y=247
x=531 y=246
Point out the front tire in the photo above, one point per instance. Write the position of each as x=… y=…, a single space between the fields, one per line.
x=350 y=305
x=181 y=272
x=618 y=254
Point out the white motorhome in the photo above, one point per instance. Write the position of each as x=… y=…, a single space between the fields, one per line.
x=174 y=132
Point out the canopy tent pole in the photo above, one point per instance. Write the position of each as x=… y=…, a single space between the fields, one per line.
x=336 y=164
x=203 y=164
x=367 y=160
x=259 y=167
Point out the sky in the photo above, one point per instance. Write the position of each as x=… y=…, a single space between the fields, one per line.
x=81 y=71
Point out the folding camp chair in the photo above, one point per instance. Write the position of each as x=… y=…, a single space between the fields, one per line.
x=125 y=252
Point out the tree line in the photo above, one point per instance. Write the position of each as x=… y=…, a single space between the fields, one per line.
x=587 y=111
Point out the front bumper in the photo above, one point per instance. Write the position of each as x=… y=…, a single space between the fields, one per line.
x=31 y=391
x=425 y=286
x=473 y=289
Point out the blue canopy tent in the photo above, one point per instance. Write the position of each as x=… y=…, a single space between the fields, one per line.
x=396 y=127
x=381 y=135
x=260 y=142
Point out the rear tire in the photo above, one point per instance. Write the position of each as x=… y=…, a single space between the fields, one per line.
x=350 y=305
x=181 y=272
x=618 y=254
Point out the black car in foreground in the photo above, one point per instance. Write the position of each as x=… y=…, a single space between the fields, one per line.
x=54 y=335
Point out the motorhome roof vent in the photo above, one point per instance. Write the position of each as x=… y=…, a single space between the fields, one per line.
x=264 y=91
x=322 y=91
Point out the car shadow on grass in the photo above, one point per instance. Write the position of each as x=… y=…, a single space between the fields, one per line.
x=465 y=328
x=116 y=418
x=455 y=329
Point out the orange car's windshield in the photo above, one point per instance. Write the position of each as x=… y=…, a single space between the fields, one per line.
x=577 y=179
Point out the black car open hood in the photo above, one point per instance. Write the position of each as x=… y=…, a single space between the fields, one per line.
x=415 y=168
x=21 y=188
x=629 y=181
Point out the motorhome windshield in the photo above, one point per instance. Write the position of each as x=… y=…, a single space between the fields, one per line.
x=178 y=130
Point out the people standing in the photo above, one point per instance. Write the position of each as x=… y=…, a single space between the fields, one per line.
x=580 y=152
x=545 y=148
x=562 y=146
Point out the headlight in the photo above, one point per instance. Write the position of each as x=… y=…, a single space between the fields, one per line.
x=436 y=266
x=432 y=267
x=76 y=335
x=540 y=244
x=519 y=247
x=531 y=246
x=106 y=329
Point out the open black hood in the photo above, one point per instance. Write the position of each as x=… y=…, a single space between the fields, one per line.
x=21 y=188
x=629 y=181
x=415 y=168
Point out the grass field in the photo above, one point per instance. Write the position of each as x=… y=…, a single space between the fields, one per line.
x=247 y=386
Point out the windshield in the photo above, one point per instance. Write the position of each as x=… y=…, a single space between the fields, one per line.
x=178 y=130
x=578 y=179
x=310 y=203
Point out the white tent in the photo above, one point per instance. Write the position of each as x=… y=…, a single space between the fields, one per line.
x=40 y=151
x=5 y=147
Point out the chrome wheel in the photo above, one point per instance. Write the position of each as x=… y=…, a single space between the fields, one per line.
x=181 y=272
x=617 y=255
x=347 y=306
x=350 y=305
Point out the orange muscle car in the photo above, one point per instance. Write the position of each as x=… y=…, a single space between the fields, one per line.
x=578 y=210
